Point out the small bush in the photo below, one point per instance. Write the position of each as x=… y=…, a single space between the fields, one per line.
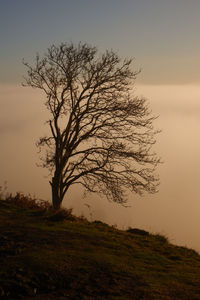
x=61 y=215
x=27 y=201
x=161 y=238
x=138 y=231
x=41 y=207
x=98 y=222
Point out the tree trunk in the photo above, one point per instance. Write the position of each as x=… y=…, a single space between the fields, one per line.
x=56 y=197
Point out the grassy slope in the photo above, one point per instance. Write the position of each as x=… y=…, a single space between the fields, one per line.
x=44 y=259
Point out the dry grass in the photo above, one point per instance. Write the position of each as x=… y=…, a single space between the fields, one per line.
x=41 y=206
x=27 y=201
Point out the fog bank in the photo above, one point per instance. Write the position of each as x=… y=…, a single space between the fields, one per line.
x=173 y=211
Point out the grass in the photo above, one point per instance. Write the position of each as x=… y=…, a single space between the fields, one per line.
x=48 y=255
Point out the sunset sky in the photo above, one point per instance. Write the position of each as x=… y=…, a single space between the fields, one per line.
x=163 y=37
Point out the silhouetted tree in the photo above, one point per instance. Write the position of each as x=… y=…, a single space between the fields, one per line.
x=100 y=133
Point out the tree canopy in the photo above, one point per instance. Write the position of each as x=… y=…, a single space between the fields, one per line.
x=100 y=133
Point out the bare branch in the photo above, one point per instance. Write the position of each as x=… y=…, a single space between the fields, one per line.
x=100 y=133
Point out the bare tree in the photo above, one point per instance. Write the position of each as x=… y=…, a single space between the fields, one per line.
x=100 y=133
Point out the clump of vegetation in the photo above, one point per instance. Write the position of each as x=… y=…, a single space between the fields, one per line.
x=61 y=215
x=39 y=206
x=138 y=231
x=161 y=238
x=28 y=201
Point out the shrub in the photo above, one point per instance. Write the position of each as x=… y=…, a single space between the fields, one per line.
x=61 y=215
x=161 y=238
x=138 y=231
x=27 y=201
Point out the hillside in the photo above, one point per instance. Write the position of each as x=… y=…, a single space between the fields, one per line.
x=44 y=255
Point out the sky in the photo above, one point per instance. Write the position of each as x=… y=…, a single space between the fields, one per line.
x=163 y=38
